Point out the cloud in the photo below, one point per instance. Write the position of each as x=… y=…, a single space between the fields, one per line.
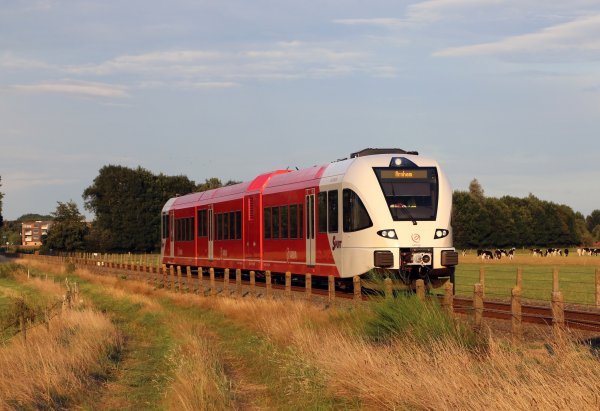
x=10 y=61
x=78 y=88
x=214 y=84
x=580 y=35
x=224 y=69
x=386 y=22
x=425 y=12
x=433 y=10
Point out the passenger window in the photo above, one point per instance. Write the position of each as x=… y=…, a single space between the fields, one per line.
x=219 y=226
x=355 y=215
x=284 y=221
x=232 y=224
x=267 y=223
x=294 y=221
x=332 y=211
x=275 y=220
x=322 y=210
x=238 y=225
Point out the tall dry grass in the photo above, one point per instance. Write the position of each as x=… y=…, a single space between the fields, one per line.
x=54 y=368
x=433 y=375
x=402 y=373
x=200 y=382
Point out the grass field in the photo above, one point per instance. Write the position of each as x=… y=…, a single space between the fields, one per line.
x=164 y=350
x=577 y=276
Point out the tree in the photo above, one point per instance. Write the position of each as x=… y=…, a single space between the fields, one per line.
x=127 y=204
x=213 y=182
x=476 y=190
x=68 y=230
x=593 y=220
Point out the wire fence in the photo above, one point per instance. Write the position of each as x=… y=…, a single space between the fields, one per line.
x=28 y=318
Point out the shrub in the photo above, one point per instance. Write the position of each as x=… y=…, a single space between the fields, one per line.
x=406 y=316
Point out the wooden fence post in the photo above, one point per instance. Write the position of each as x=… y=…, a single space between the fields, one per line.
x=252 y=284
x=331 y=288
x=555 y=285
x=357 y=289
x=179 y=278
x=517 y=326
x=172 y=277
x=268 y=285
x=200 y=280
x=387 y=285
x=519 y=278
x=163 y=276
x=308 y=286
x=213 y=286
x=598 y=287
x=482 y=280
x=420 y=286
x=47 y=319
x=188 y=276
x=238 y=282
x=226 y=283
x=448 y=301
x=558 y=311
x=288 y=285
x=478 y=305
x=23 y=326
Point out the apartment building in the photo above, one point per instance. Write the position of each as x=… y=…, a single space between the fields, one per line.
x=32 y=232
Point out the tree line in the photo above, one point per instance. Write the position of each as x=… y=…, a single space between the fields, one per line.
x=483 y=222
x=127 y=204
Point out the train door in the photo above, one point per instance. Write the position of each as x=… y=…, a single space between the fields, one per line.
x=253 y=225
x=164 y=234
x=311 y=249
x=172 y=232
x=210 y=233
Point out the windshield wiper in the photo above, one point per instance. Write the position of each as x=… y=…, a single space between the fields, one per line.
x=409 y=214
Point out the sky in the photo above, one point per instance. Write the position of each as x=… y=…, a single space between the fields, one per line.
x=504 y=91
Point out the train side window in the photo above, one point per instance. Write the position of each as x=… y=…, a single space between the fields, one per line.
x=232 y=224
x=322 y=210
x=238 y=225
x=219 y=226
x=355 y=214
x=226 y=226
x=202 y=226
x=192 y=229
x=293 y=221
x=332 y=211
x=165 y=225
x=267 y=223
x=284 y=211
x=275 y=221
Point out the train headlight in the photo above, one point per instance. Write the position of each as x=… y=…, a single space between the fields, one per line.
x=441 y=233
x=388 y=234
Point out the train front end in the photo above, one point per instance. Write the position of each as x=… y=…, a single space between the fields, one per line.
x=396 y=216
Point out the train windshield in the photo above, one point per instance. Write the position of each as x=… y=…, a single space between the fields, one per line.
x=411 y=193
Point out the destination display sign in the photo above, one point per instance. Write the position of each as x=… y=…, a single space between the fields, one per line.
x=403 y=174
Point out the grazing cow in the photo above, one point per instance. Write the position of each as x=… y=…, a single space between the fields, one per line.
x=485 y=254
x=536 y=252
x=511 y=253
x=566 y=252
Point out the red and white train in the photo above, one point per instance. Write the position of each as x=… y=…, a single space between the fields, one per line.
x=379 y=209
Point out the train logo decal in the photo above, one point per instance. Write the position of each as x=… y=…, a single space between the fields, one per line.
x=336 y=244
x=416 y=238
